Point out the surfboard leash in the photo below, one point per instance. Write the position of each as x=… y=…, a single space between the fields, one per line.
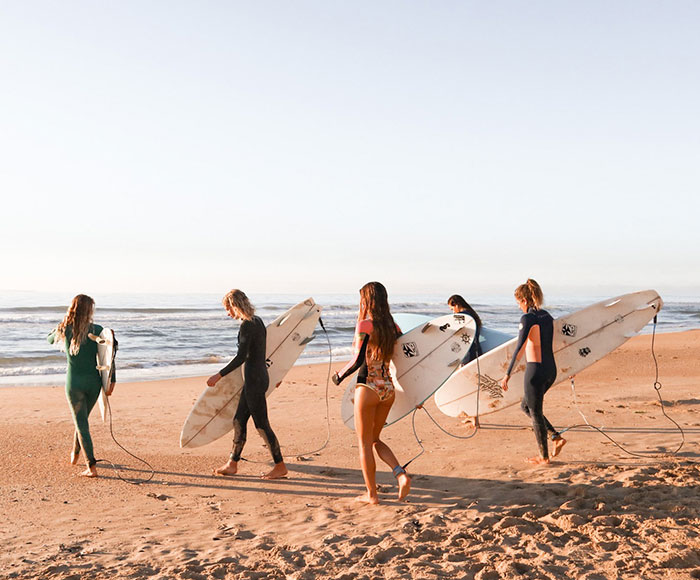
x=328 y=414
x=116 y=469
x=445 y=431
x=657 y=388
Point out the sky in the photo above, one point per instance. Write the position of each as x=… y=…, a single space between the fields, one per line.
x=312 y=146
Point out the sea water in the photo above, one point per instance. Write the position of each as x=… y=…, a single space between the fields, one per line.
x=166 y=336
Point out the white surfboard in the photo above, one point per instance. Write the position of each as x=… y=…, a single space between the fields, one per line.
x=212 y=414
x=105 y=363
x=580 y=339
x=423 y=358
x=488 y=338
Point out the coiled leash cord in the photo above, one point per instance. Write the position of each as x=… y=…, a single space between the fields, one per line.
x=657 y=387
x=116 y=469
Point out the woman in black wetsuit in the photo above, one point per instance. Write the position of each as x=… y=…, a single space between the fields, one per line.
x=535 y=337
x=460 y=306
x=252 y=343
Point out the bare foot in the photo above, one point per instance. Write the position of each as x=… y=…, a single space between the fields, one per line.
x=537 y=460
x=89 y=472
x=278 y=471
x=404 y=481
x=228 y=468
x=559 y=442
x=74 y=457
x=364 y=498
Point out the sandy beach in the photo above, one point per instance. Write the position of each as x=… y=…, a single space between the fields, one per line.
x=476 y=510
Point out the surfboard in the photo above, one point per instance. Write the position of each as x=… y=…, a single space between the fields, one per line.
x=105 y=362
x=580 y=339
x=488 y=338
x=287 y=337
x=423 y=358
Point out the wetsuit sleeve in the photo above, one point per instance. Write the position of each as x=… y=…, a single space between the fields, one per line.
x=525 y=326
x=244 y=339
x=358 y=359
x=114 y=360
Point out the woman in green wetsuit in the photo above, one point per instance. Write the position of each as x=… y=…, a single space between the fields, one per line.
x=83 y=381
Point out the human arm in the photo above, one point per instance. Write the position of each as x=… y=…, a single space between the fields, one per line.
x=244 y=340
x=360 y=343
x=524 y=331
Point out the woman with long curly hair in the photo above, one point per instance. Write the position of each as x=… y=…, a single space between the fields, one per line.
x=252 y=347
x=375 y=337
x=76 y=336
x=535 y=339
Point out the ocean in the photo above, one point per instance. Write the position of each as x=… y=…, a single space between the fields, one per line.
x=167 y=336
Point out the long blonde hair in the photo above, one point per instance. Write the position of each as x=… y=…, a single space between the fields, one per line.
x=79 y=317
x=237 y=302
x=531 y=293
x=374 y=304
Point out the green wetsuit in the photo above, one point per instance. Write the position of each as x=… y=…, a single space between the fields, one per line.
x=83 y=384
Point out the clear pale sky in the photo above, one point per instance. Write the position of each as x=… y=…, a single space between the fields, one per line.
x=313 y=146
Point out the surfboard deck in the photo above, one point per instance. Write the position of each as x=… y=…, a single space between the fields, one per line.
x=105 y=362
x=211 y=416
x=488 y=338
x=580 y=339
x=423 y=358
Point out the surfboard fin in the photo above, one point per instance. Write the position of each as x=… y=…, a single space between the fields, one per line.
x=454 y=363
x=307 y=340
x=426 y=327
x=612 y=303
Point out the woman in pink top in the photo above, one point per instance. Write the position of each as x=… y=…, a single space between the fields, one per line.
x=375 y=337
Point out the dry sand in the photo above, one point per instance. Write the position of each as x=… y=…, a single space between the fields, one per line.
x=477 y=510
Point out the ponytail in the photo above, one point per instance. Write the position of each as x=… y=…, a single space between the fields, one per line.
x=531 y=293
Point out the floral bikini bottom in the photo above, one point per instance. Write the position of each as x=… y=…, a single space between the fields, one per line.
x=379 y=381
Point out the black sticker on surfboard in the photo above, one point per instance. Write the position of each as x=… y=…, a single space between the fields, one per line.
x=444 y=327
x=466 y=339
x=295 y=337
x=584 y=352
x=410 y=349
x=491 y=386
x=568 y=329
x=268 y=363
x=459 y=317
x=455 y=347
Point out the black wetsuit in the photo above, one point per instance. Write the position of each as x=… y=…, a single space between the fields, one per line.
x=252 y=343
x=539 y=376
x=475 y=349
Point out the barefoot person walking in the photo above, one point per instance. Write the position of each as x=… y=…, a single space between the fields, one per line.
x=252 y=343
x=375 y=337
x=535 y=338
x=83 y=381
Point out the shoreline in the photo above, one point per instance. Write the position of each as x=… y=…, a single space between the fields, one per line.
x=56 y=379
x=476 y=509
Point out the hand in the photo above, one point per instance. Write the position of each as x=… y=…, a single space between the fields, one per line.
x=212 y=380
x=504 y=383
x=110 y=389
x=335 y=378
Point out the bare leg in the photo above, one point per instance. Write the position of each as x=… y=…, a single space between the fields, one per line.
x=366 y=402
x=384 y=451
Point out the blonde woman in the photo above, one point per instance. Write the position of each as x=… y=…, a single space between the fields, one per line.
x=535 y=339
x=252 y=343
x=83 y=381
x=375 y=337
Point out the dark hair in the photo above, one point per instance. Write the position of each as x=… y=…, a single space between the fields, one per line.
x=531 y=293
x=463 y=305
x=374 y=304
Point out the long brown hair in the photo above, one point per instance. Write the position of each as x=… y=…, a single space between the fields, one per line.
x=531 y=293
x=464 y=306
x=79 y=317
x=374 y=305
x=237 y=302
